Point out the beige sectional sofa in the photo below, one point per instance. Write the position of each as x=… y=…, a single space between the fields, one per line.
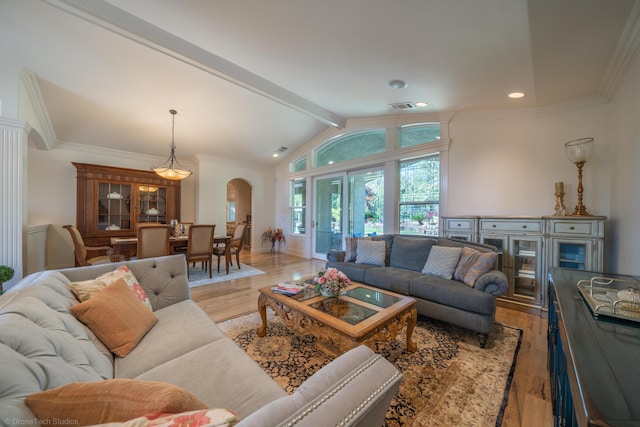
x=44 y=346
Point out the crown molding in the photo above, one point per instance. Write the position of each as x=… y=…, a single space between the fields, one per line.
x=46 y=135
x=14 y=123
x=111 y=153
x=624 y=54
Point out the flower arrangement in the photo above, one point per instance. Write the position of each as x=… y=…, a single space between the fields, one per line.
x=331 y=282
x=273 y=237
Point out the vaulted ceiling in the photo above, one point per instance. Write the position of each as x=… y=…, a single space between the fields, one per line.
x=250 y=76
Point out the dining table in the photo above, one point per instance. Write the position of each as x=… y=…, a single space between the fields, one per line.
x=129 y=244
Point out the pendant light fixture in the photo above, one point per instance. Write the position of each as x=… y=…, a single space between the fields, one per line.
x=172 y=169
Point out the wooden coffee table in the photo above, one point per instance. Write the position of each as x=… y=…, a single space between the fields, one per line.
x=361 y=315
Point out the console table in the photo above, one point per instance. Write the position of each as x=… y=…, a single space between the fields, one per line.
x=593 y=361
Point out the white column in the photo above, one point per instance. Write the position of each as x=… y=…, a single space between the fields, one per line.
x=13 y=195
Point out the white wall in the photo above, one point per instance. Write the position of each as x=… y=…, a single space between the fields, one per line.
x=213 y=173
x=625 y=182
x=506 y=163
x=52 y=191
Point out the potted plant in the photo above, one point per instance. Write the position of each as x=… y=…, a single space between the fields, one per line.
x=6 y=274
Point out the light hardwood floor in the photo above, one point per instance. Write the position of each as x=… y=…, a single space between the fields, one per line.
x=529 y=402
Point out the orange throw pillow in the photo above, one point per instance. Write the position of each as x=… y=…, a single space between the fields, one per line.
x=113 y=400
x=116 y=317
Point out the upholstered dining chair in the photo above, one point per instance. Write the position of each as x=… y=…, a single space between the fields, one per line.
x=81 y=251
x=200 y=245
x=237 y=241
x=153 y=240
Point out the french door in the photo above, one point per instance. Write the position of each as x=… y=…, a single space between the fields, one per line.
x=328 y=218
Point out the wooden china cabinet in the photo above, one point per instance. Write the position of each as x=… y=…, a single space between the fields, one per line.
x=112 y=201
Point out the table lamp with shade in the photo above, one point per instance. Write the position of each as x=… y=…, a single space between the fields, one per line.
x=579 y=151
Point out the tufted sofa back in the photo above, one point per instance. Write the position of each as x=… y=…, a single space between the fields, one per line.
x=42 y=345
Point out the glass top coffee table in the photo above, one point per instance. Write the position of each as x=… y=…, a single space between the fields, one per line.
x=360 y=315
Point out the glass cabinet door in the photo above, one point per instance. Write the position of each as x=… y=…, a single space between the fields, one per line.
x=114 y=206
x=572 y=255
x=152 y=204
x=499 y=243
x=525 y=267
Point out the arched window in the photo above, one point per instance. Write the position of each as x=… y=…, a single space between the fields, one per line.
x=299 y=165
x=352 y=146
x=419 y=133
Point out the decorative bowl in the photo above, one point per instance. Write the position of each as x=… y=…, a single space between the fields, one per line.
x=632 y=295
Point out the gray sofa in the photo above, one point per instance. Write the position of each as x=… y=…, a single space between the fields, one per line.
x=472 y=307
x=43 y=346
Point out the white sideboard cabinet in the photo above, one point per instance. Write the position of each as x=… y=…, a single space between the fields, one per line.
x=529 y=246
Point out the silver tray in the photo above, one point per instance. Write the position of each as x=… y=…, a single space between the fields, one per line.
x=601 y=295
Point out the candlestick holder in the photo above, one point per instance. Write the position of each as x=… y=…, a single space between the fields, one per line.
x=560 y=209
x=579 y=151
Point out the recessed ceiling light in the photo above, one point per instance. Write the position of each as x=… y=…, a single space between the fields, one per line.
x=421 y=104
x=397 y=84
x=275 y=154
x=516 y=95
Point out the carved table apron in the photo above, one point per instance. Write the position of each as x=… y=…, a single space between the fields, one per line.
x=334 y=335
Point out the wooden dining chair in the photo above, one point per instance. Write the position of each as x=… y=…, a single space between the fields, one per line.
x=153 y=240
x=200 y=245
x=237 y=242
x=81 y=251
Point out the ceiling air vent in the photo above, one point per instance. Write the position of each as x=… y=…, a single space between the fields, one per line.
x=402 y=106
x=281 y=149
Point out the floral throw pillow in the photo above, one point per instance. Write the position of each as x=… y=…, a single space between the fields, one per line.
x=123 y=272
x=473 y=264
x=216 y=417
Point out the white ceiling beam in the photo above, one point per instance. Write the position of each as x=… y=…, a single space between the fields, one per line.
x=127 y=25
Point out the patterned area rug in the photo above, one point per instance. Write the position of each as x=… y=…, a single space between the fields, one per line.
x=448 y=381
x=200 y=277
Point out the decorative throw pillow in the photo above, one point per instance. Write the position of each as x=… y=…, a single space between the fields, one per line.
x=87 y=288
x=442 y=261
x=351 y=247
x=371 y=252
x=123 y=272
x=216 y=417
x=116 y=317
x=473 y=264
x=113 y=400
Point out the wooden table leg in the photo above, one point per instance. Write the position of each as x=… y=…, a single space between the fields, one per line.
x=411 y=324
x=227 y=255
x=262 y=309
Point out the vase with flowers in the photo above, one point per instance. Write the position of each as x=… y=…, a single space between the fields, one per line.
x=331 y=282
x=273 y=237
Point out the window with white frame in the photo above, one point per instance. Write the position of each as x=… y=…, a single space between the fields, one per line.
x=298 y=206
x=419 y=133
x=366 y=202
x=299 y=165
x=352 y=146
x=420 y=195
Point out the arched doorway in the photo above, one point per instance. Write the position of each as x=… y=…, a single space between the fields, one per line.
x=239 y=196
